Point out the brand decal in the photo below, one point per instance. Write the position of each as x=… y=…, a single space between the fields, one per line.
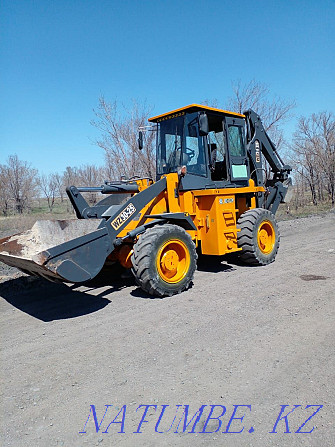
x=123 y=216
x=258 y=155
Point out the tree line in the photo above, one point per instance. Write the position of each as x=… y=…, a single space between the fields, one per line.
x=311 y=151
x=312 y=155
x=20 y=184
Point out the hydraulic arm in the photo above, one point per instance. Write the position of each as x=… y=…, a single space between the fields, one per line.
x=259 y=143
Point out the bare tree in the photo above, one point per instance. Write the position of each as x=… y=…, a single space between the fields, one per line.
x=305 y=164
x=273 y=112
x=48 y=185
x=5 y=199
x=255 y=95
x=19 y=181
x=70 y=176
x=324 y=124
x=59 y=180
x=90 y=175
x=299 y=198
x=251 y=95
x=313 y=152
x=210 y=103
x=119 y=134
x=86 y=175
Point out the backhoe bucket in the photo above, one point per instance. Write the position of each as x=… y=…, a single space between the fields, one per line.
x=62 y=250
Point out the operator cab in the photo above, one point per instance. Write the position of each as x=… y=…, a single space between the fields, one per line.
x=209 y=142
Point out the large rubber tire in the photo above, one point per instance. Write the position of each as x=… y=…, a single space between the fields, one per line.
x=259 y=237
x=164 y=260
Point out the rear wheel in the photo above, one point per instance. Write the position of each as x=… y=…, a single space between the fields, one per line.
x=259 y=237
x=164 y=260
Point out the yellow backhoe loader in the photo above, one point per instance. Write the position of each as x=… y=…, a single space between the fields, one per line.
x=211 y=196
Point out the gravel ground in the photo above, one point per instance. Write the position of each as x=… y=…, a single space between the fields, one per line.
x=261 y=337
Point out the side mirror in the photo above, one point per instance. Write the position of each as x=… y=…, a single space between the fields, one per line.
x=140 y=140
x=203 y=124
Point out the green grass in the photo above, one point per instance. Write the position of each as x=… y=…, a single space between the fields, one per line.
x=41 y=207
x=39 y=211
x=302 y=211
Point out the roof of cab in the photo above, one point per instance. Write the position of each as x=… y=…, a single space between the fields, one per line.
x=189 y=109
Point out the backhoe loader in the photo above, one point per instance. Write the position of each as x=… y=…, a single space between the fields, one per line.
x=210 y=196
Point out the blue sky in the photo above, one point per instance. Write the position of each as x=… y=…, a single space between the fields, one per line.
x=58 y=57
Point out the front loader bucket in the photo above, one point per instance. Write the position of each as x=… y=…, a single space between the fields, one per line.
x=62 y=250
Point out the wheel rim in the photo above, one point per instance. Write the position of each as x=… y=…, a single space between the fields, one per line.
x=173 y=261
x=266 y=237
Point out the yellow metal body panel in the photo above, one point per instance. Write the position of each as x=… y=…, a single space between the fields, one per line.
x=182 y=110
x=213 y=211
x=216 y=220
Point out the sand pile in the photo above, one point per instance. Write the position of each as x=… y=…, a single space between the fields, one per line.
x=46 y=234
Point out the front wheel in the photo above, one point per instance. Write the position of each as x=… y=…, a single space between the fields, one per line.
x=258 y=237
x=164 y=260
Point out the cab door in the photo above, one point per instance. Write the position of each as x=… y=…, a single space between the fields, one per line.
x=238 y=164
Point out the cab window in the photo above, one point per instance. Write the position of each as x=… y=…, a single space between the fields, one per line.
x=169 y=144
x=218 y=138
x=193 y=153
x=236 y=141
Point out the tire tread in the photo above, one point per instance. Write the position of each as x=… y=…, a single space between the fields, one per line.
x=142 y=259
x=246 y=238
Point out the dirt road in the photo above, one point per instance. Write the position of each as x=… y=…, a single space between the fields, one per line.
x=260 y=337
